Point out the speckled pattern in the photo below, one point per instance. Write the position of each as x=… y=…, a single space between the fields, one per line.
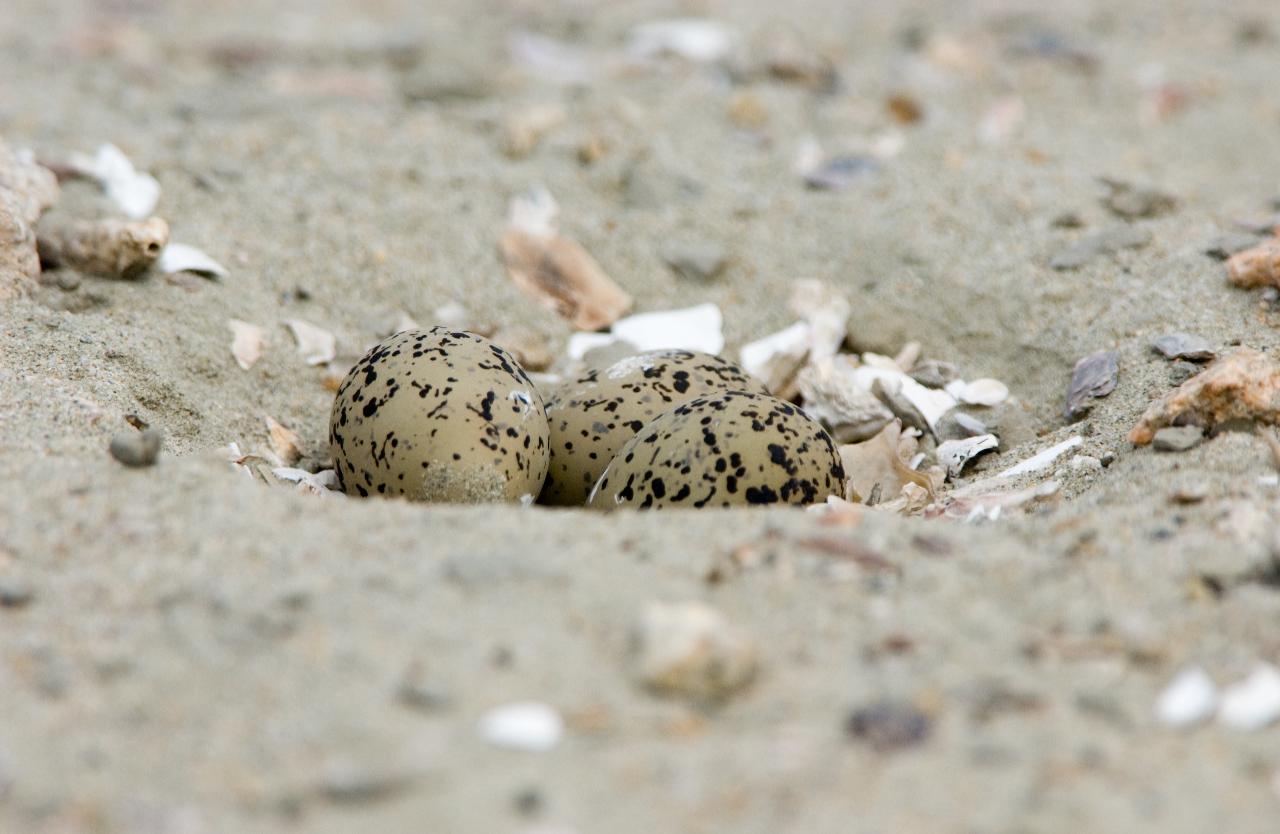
x=439 y=415
x=595 y=414
x=731 y=449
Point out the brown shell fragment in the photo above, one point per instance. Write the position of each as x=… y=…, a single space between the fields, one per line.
x=107 y=248
x=1244 y=385
x=1256 y=267
x=564 y=277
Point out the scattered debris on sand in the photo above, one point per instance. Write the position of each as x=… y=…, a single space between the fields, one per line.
x=109 y=248
x=1243 y=385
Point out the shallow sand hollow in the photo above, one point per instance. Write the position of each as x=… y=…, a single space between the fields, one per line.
x=186 y=650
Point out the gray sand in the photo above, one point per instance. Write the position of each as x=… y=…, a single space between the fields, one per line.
x=202 y=653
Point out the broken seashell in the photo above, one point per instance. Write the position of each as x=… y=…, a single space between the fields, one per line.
x=107 y=248
x=284 y=442
x=777 y=358
x=986 y=392
x=1042 y=460
x=1244 y=385
x=179 y=257
x=698 y=40
x=317 y=345
x=691 y=328
x=135 y=192
x=930 y=402
x=954 y=455
x=564 y=278
x=1094 y=376
x=833 y=397
x=826 y=311
x=881 y=464
x=247 y=342
x=323 y=483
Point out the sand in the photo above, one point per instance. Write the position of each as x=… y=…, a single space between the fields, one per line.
x=204 y=653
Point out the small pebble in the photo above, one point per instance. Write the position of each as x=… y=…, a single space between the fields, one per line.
x=696 y=260
x=352 y=784
x=137 y=449
x=1085 y=463
x=1190 y=698
x=14 y=593
x=530 y=726
x=889 y=725
x=934 y=373
x=689 y=649
x=1104 y=242
x=1190 y=494
x=1184 y=346
x=1224 y=246
x=1180 y=372
x=1177 y=438
x=1135 y=201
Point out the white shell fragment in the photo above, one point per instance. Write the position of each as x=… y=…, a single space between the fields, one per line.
x=932 y=404
x=179 y=257
x=246 y=343
x=582 y=343
x=954 y=455
x=316 y=344
x=1254 y=702
x=534 y=211
x=775 y=359
x=1190 y=698
x=531 y=726
x=284 y=442
x=321 y=483
x=833 y=398
x=987 y=392
x=1043 y=460
x=135 y=192
x=826 y=311
x=698 y=40
x=692 y=328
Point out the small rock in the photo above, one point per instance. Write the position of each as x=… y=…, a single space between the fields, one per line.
x=418 y=693
x=1184 y=346
x=14 y=593
x=841 y=172
x=1189 y=494
x=1180 y=372
x=1100 y=243
x=531 y=726
x=1085 y=463
x=1067 y=220
x=957 y=425
x=1244 y=385
x=1225 y=245
x=695 y=260
x=137 y=449
x=1135 y=201
x=690 y=650
x=1096 y=375
x=1189 y=699
x=934 y=373
x=901 y=406
x=352 y=784
x=889 y=725
x=1177 y=438
x=1258 y=266
x=1254 y=702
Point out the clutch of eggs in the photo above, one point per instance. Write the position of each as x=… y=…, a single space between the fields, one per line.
x=445 y=415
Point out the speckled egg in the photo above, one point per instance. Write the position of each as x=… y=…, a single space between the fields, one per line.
x=594 y=415
x=439 y=415
x=724 y=450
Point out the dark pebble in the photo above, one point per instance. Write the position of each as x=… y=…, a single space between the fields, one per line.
x=889 y=725
x=14 y=593
x=1184 y=346
x=1104 y=242
x=1177 y=438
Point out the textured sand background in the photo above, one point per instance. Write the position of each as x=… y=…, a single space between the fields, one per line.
x=206 y=654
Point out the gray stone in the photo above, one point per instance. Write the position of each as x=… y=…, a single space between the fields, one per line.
x=1134 y=201
x=14 y=593
x=1184 y=346
x=1104 y=242
x=934 y=373
x=695 y=260
x=1177 y=438
x=137 y=449
x=1094 y=376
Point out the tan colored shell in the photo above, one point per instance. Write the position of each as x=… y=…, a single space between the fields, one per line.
x=732 y=449
x=439 y=415
x=594 y=415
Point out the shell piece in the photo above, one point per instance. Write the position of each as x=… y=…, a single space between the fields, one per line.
x=246 y=343
x=592 y=417
x=179 y=257
x=317 y=345
x=108 y=248
x=731 y=449
x=833 y=397
x=564 y=277
x=439 y=415
x=135 y=192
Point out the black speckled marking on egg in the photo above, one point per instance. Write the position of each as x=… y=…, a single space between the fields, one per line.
x=732 y=449
x=593 y=416
x=439 y=415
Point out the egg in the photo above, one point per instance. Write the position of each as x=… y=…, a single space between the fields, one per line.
x=729 y=449
x=439 y=415
x=594 y=415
